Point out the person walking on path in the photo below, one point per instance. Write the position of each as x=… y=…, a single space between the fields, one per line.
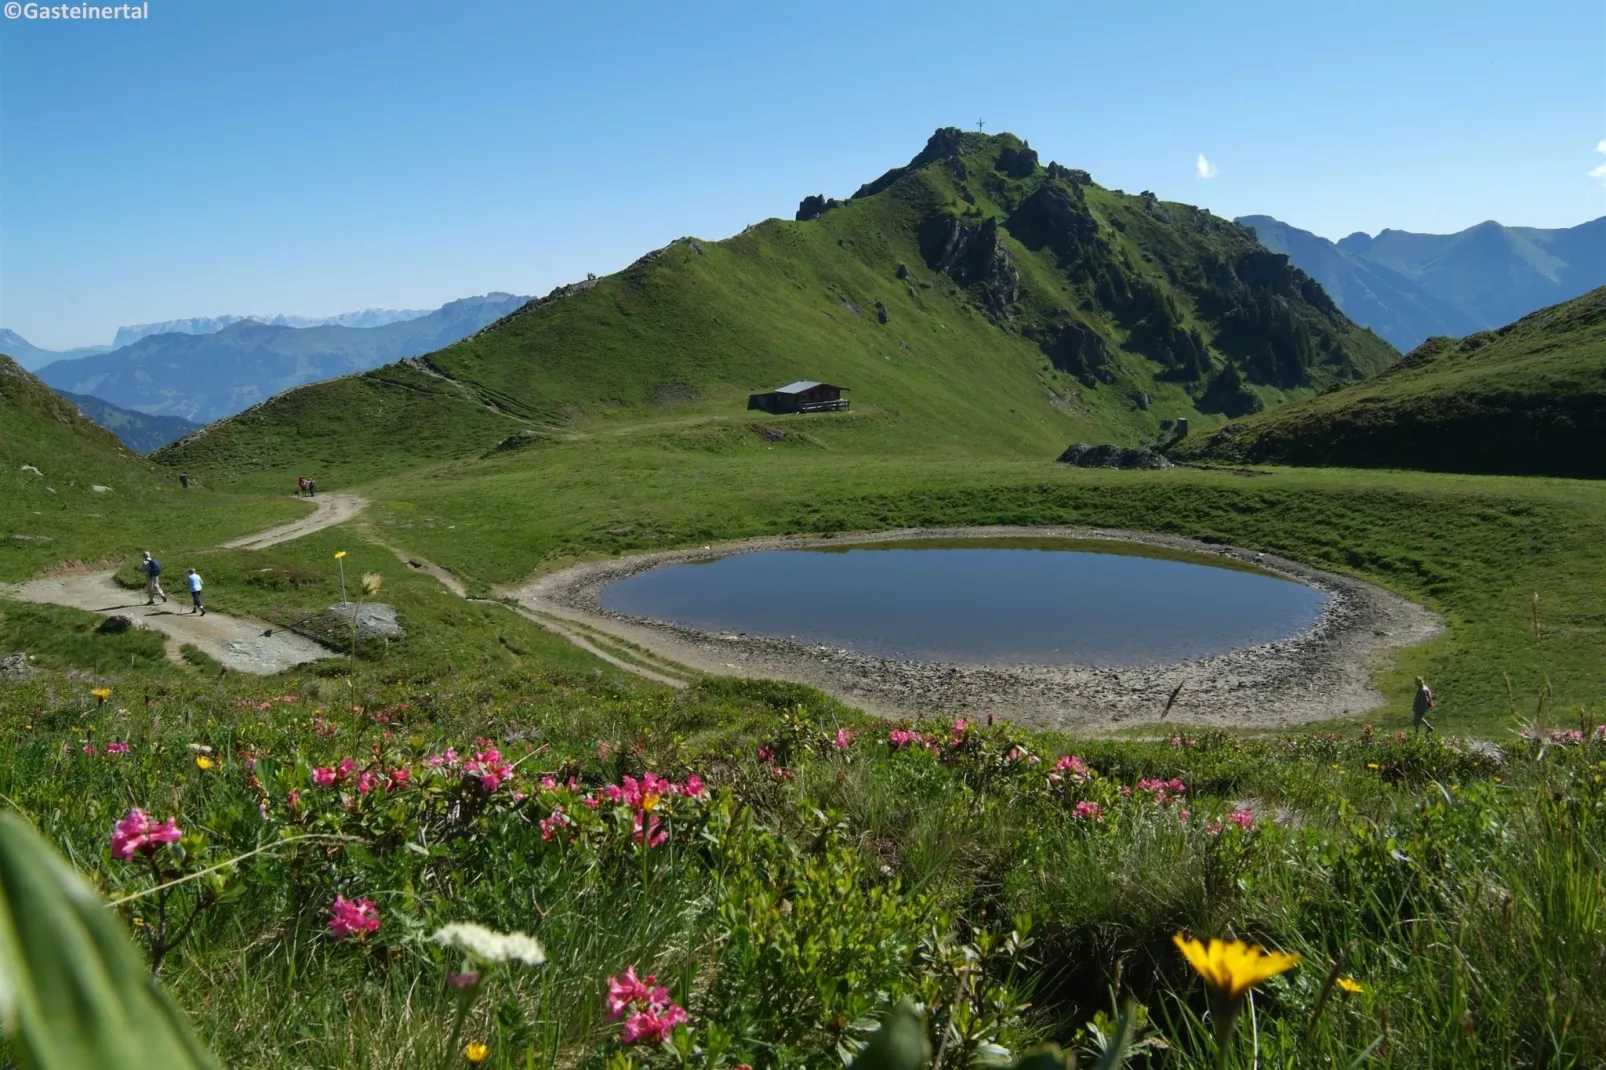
x=195 y=593
x=1420 y=705
x=153 y=584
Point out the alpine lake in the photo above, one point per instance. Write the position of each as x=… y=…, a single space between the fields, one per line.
x=982 y=601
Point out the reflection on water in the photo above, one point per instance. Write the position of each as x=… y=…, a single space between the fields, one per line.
x=1036 y=601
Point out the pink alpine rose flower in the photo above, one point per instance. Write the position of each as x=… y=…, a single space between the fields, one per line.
x=138 y=831
x=652 y=1025
x=352 y=917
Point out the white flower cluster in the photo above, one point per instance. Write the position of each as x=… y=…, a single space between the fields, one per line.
x=488 y=945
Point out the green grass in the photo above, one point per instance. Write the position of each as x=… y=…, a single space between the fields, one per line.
x=1528 y=399
x=57 y=516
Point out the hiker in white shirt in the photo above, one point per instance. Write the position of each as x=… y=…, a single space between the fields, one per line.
x=195 y=593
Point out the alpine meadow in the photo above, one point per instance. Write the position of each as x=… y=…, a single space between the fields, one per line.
x=329 y=737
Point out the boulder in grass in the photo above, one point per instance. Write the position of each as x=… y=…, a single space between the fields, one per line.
x=375 y=620
x=1104 y=455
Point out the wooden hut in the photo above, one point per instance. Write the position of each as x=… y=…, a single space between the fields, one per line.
x=805 y=395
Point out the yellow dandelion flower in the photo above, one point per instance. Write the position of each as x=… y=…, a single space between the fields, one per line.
x=1232 y=967
x=204 y=763
x=1350 y=984
x=1373 y=765
x=476 y=1052
x=102 y=693
x=339 y=554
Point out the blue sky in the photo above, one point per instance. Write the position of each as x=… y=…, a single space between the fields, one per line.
x=313 y=158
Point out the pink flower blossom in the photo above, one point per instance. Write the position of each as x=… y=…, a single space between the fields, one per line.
x=366 y=781
x=652 y=1015
x=490 y=768
x=352 y=917
x=1069 y=765
x=466 y=979
x=137 y=831
x=1163 y=790
x=1089 y=811
x=843 y=740
x=324 y=776
x=766 y=753
x=652 y=1025
x=899 y=738
x=397 y=779
x=551 y=825
x=626 y=990
x=649 y=830
x=89 y=749
x=1244 y=819
x=549 y=783
x=694 y=787
x=116 y=748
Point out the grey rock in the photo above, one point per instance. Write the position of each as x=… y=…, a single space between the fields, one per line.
x=375 y=620
x=115 y=625
x=1104 y=455
x=881 y=313
x=14 y=669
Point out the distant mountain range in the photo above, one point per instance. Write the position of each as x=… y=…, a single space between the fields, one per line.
x=139 y=431
x=368 y=317
x=1409 y=287
x=203 y=377
x=31 y=356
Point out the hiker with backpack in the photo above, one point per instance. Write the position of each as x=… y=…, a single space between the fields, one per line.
x=153 y=586
x=1420 y=705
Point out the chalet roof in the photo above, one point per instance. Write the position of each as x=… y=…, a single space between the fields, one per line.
x=801 y=386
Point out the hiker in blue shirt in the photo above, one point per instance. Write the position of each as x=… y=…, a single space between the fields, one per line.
x=195 y=593
x=153 y=587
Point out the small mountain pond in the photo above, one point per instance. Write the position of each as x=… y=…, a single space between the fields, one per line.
x=982 y=601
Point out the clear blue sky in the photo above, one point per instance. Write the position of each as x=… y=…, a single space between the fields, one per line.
x=258 y=156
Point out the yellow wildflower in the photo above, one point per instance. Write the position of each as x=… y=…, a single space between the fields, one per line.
x=1350 y=984
x=1372 y=765
x=102 y=693
x=476 y=1052
x=339 y=554
x=1232 y=967
x=204 y=763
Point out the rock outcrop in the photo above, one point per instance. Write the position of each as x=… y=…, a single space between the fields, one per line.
x=974 y=256
x=1105 y=455
x=374 y=620
x=814 y=206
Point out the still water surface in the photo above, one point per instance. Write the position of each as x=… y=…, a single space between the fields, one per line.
x=1037 y=601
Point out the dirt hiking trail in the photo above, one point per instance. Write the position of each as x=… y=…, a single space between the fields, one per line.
x=244 y=644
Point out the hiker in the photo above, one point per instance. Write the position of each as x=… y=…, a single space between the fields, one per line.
x=301 y=487
x=312 y=488
x=153 y=586
x=1421 y=705
x=195 y=593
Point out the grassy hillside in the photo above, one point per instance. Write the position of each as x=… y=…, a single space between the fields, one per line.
x=973 y=298
x=1529 y=398
x=52 y=459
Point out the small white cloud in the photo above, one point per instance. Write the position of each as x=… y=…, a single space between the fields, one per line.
x=1596 y=172
x=1203 y=168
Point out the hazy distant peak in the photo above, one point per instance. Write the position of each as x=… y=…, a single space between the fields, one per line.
x=368 y=317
